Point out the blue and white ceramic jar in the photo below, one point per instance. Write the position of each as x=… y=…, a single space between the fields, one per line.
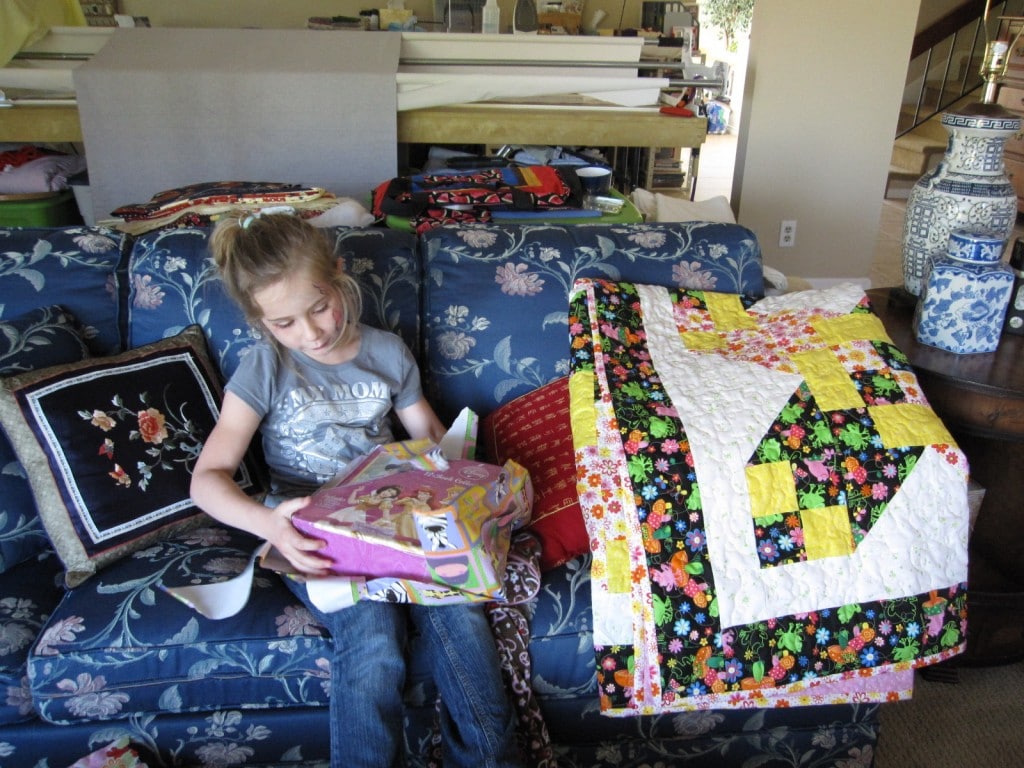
x=965 y=295
x=969 y=189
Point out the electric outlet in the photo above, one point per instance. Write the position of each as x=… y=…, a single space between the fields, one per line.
x=787 y=234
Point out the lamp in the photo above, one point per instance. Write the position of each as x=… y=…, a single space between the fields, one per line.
x=969 y=189
x=993 y=68
x=993 y=65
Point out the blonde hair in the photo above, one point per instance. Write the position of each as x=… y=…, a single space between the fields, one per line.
x=252 y=252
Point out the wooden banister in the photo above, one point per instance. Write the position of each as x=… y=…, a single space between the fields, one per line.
x=955 y=20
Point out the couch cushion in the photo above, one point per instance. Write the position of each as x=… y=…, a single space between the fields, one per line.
x=76 y=267
x=173 y=282
x=120 y=646
x=39 y=338
x=496 y=298
x=109 y=444
x=29 y=592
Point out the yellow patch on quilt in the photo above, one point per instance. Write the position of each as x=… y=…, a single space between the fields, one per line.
x=617 y=561
x=702 y=341
x=828 y=381
x=838 y=330
x=772 y=489
x=582 y=413
x=727 y=312
x=827 y=532
x=905 y=424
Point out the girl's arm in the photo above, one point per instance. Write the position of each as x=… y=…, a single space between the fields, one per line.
x=420 y=421
x=215 y=492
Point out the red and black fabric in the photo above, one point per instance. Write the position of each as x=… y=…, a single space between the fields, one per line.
x=434 y=217
x=447 y=196
x=221 y=193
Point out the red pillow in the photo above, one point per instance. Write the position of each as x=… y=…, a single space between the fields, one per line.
x=534 y=430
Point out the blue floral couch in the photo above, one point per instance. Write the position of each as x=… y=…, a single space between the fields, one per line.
x=485 y=309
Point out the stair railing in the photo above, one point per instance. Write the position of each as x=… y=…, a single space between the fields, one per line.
x=945 y=59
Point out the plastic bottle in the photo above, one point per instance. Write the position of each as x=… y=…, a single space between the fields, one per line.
x=491 y=18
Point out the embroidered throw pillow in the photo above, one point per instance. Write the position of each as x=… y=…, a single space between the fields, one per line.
x=109 y=444
x=37 y=339
x=534 y=430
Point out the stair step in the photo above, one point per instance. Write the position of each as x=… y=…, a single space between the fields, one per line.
x=920 y=150
x=901 y=173
x=899 y=183
x=916 y=158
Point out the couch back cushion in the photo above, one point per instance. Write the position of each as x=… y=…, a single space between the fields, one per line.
x=75 y=267
x=495 y=302
x=173 y=283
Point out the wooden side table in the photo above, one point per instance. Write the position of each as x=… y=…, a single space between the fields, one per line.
x=980 y=398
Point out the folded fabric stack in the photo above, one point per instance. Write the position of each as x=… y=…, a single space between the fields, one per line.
x=201 y=204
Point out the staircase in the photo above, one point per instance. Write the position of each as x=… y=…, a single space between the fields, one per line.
x=943 y=73
x=914 y=154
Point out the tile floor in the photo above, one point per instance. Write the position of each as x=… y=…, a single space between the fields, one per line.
x=715 y=174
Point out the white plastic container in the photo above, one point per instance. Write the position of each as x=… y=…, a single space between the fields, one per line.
x=491 y=18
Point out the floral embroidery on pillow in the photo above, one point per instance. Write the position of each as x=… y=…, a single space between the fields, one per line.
x=166 y=441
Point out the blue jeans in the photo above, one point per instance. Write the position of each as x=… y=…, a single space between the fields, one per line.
x=478 y=725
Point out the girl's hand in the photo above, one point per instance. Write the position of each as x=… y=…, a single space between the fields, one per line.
x=299 y=549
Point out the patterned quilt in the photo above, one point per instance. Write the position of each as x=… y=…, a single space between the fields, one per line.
x=777 y=515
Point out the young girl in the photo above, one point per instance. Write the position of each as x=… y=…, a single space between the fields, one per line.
x=320 y=387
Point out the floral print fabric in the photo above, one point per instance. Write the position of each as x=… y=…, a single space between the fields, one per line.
x=661 y=425
x=37 y=339
x=104 y=651
x=495 y=310
x=75 y=267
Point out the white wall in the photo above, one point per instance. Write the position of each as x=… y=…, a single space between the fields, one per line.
x=820 y=103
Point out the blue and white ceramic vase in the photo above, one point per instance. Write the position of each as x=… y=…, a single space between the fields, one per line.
x=968 y=189
x=965 y=295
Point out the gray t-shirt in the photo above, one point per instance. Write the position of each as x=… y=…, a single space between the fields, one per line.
x=316 y=417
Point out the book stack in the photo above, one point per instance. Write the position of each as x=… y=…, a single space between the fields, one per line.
x=667 y=170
